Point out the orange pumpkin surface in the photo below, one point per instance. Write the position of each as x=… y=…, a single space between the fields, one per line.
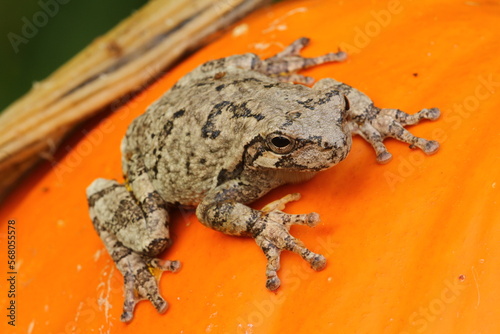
x=412 y=246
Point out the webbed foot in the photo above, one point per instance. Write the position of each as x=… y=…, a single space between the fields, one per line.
x=384 y=123
x=141 y=277
x=284 y=65
x=271 y=233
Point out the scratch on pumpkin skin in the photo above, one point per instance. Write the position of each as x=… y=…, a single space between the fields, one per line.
x=31 y=326
x=104 y=299
x=104 y=293
x=276 y=24
x=78 y=311
x=97 y=254
x=474 y=274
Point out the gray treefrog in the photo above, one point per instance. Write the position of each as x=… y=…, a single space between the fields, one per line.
x=223 y=136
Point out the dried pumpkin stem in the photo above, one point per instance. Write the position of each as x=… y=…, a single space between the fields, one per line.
x=124 y=60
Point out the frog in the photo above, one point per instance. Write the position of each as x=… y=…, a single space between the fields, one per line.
x=222 y=137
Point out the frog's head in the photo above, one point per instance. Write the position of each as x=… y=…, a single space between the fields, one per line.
x=312 y=138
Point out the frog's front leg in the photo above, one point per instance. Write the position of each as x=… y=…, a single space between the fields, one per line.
x=223 y=211
x=134 y=230
x=375 y=124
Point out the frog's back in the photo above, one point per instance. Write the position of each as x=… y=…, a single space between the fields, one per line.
x=194 y=135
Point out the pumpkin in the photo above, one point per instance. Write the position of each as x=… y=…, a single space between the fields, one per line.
x=412 y=246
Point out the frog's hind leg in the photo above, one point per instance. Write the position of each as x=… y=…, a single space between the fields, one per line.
x=131 y=240
x=141 y=275
x=285 y=64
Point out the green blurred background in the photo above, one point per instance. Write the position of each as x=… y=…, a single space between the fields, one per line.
x=73 y=26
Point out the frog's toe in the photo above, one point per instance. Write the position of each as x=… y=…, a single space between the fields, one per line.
x=163 y=265
x=384 y=157
x=141 y=277
x=431 y=113
x=273 y=283
x=317 y=261
x=128 y=308
x=272 y=235
x=272 y=253
x=310 y=219
x=279 y=204
x=430 y=147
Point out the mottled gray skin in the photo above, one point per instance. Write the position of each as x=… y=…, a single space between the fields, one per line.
x=225 y=135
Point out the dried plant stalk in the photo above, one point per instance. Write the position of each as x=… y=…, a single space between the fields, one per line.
x=127 y=57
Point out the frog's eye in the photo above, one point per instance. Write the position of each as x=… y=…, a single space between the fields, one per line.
x=279 y=143
x=347 y=103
